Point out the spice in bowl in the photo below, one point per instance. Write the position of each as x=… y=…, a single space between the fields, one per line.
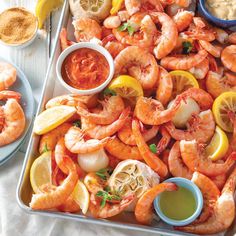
x=17 y=26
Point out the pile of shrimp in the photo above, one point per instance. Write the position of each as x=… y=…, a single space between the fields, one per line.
x=12 y=117
x=147 y=39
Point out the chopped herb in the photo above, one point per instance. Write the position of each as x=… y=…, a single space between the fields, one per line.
x=107 y=196
x=77 y=123
x=108 y=91
x=107 y=189
x=187 y=47
x=45 y=148
x=153 y=148
x=127 y=26
x=104 y=173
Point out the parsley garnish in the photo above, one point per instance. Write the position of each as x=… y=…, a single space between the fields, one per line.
x=127 y=26
x=153 y=148
x=104 y=173
x=77 y=123
x=187 y=47
x=107 y=196
x=45 y=149
x=108 y=91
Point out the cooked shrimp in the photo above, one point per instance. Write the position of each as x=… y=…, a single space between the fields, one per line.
x=221 y=35
x=124 y=15
x=164 y=141
x=183 y=19
x=122 y=151
x=210 y=194
x=49 y=140
x=7 y=75
x=144 y=37
x=176 y=165
x=58 y=195
x=169 y=35
x=73 y=100
x=86 y=29
x=150 y=158
x=132 y=6
x=126 y=136
x=199 y=22
x=200 y=71
x=223 y=213
x=151 y=111
x=200 y=128
x=65 y=43
x=112 y=108
x=74 y=141
x=94 y=183
x=12 y=118
x=183 y=3
x=165 y=86
x=197 y=161
x=219 y=180
x=183 y=62
x=144 y=207
x=139 y=64
x=114 y=48
x=112 y=22
x=102 y=131
x=217 y=84
x=110 y=209
x=214 y=50
x=232 y=38
x=69 y=205
x=228 y=57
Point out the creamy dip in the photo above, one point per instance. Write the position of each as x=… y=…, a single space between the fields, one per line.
x=223 y=9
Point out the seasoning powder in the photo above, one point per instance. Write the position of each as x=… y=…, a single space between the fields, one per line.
x=17 y=25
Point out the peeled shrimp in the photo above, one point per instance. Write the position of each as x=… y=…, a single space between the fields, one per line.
x=49 y=140
x=12 y=118
x=74 y=141
x=200 y=71
x=182 y=62
x=197 y=161
x=217 y=84
x=210 y=194
x=144 y=207
x=214 y=50
x=232 y=38
x=183 y=19
x=176 y=165
x=132 y=6
x=139 y=64
x=94 y=183
x=164 y=141
x=126 y=136
x=150 y=158
x=169 y=35
x=58 y=195
x=110 y=209
x=151 y=111
x=86 y=29
x=7 y=75
x=112 y=108
x=112 y=22
x=102 y=131
x=228 y=57
x=221 y=35
x=122 y=151
x=223 y=213
x=165 y=86
x=200 y=128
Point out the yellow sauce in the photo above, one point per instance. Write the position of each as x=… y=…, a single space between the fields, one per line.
x=223 y=9
x=178 y=205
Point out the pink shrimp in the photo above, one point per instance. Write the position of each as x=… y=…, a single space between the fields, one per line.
x=65 y=43
x=164 y=141
x=132 y=6
x=214 y=50
x=183 y=19
x=228 y=57
x=200 y=71
x=7 y=75
x=232 y=38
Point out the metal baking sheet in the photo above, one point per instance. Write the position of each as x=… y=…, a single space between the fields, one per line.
x=24 y=191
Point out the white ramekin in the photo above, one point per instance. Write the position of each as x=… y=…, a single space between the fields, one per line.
x=95 y=47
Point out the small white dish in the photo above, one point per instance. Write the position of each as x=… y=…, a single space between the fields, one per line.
x=95 y=47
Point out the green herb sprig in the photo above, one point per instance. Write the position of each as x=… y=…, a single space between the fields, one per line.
x=106 y=196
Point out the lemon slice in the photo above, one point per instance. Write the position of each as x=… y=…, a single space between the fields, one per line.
x=116 y=6
x=51 y=118
x=44 y=8
x=81 y=196
x=222 y=105
x=182 y=80
x=127 y=87
x=40 y=172
x=218 y=146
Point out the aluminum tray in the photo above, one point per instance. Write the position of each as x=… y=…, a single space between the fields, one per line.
x=24 y=191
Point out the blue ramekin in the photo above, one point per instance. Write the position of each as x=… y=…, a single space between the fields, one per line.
x=198 y=198
x=217 y=21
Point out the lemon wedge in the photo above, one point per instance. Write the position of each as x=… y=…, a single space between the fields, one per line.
x=222 y=105
x=40 y=172
x=81 y=196
x=116 y=6
x=127 y=87
x=218 y=146
x=44 y=8
x=182 y=80
x=51 y=118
